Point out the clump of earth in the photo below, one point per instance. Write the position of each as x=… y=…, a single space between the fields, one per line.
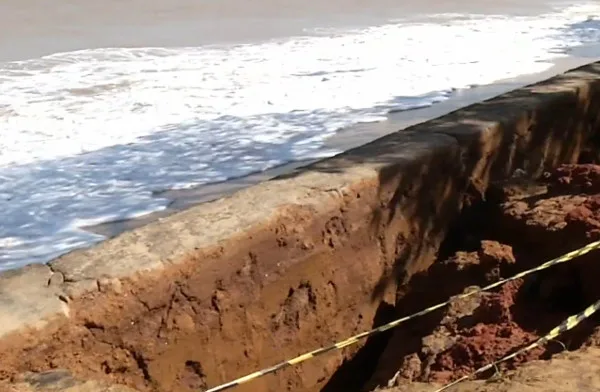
x=530 y=223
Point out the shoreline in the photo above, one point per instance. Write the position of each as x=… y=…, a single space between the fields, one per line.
x=143 y=196
x=344 y=139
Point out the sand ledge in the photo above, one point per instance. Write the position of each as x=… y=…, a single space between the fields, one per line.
x=286 y=265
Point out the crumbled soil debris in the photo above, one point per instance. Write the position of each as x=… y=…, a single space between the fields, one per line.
x=575 y=179
x=531 y=222
x=567 y=372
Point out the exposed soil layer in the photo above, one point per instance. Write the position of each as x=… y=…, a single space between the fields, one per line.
x=574 y=371
x=348 y=243
x=516 y=225
x=301 y=276
x=527 y=223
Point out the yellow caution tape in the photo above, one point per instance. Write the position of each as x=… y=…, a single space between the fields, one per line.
x=566 y=325
x=354 y=339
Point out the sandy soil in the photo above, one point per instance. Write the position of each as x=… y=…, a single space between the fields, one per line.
x=570 y=372
x=526 y=224
x=532 y=222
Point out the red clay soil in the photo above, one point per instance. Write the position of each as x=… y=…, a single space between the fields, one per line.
x=539 y=220
x=523 y=224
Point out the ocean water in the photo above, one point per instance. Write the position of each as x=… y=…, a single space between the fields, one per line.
x=90 y=136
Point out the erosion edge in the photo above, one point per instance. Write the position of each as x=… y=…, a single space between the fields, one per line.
x=230 y=286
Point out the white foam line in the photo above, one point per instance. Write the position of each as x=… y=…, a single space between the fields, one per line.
x=87 y=136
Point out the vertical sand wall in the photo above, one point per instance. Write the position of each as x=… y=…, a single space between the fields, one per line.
x=289 y=265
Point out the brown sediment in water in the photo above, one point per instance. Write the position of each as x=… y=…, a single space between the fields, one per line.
x=231 y=286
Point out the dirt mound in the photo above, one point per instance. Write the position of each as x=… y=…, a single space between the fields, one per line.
x=555 y=375
x=575 y=179
x=529 y=223
x=563 y=217
x=476 y=330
